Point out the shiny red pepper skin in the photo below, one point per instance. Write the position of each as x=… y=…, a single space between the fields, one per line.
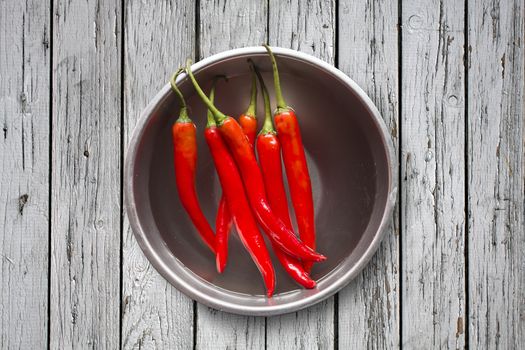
x=244 y=157
x=185 y=159
x=248 y=120
x=223 y=224
x=235 y=193
x=269 y=152
x=252 y=177
x=295 y=163
x=249 y=126
x=298 y=176
x=224 y=219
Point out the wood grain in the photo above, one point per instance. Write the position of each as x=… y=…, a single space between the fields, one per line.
x=304 y=25
x=496 y=174
x=226 y=25
x=369 y=313
x=155 y=315
x=24 y=173
x=433 y=174
x=307 y=26
x=85 y=203
x=60 y=171
x=231 y=24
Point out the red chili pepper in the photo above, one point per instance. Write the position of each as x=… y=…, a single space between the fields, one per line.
x=269 y=152
x=238 y=204
x=248 y=122
x=223 y=220
x=223 y=224
x=248 y=119
x=251 y=174
x=185 y=160
x=294 y=163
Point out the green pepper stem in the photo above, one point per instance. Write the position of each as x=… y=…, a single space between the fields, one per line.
x=268 y=123
x=252 y=108
x=277 y=84
x=218 y=115
x=211 y=121
x=183 y=113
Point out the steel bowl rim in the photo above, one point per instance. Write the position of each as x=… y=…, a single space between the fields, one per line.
x=266 y=310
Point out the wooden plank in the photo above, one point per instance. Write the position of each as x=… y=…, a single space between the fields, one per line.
x=85 y=203
x=496 y=174
x=24 y=173
x=303 y=25
x=225 y=25
x=433 y=174
x=307 y=26
x=369 y=312
x=155 y=314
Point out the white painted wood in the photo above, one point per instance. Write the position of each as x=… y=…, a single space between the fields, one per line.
x=159 y=36
x=229 y=24
x=496 y=174
x=433 y=174
x=225 y=25
x=307 y=26
x=24 y=173
x=304 y=25
x=312 y=328
x=369 y=313
x=85 y=203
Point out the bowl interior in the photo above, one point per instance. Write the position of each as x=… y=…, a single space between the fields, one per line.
x=347 y=158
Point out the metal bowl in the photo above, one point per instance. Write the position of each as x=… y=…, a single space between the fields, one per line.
x=350 y=156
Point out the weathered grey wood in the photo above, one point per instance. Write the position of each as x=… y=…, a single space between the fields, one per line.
x=85 y=203
x=433 y=174
x=369 y=312
x=231 y=24
x=307 y=26
x=304 y=25
x=24 y=173
x=496 y=174
x=159 y=36
x=225 y=25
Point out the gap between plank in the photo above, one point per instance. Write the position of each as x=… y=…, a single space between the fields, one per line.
x=336 y=63
x=400 y=159
x=466 y=58
x=50 y=171
x=121 y=223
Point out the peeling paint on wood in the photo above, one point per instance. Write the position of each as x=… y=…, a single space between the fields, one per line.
x=369 y=314
x=417 y=281
x=496 y=174
x=85 y=199
x=433 y=133
x=158 y=38
x=24 y=174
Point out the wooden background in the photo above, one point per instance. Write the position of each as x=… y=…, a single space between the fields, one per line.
x=448 y=77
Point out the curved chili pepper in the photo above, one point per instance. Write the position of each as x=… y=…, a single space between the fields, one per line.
x=223 y=220
x=248 y=119
x=294 y=163
x=185 y=160
x=223 y=224
x=244 y=157
x=233 y=188
x=269 y=152
x=248 y=122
